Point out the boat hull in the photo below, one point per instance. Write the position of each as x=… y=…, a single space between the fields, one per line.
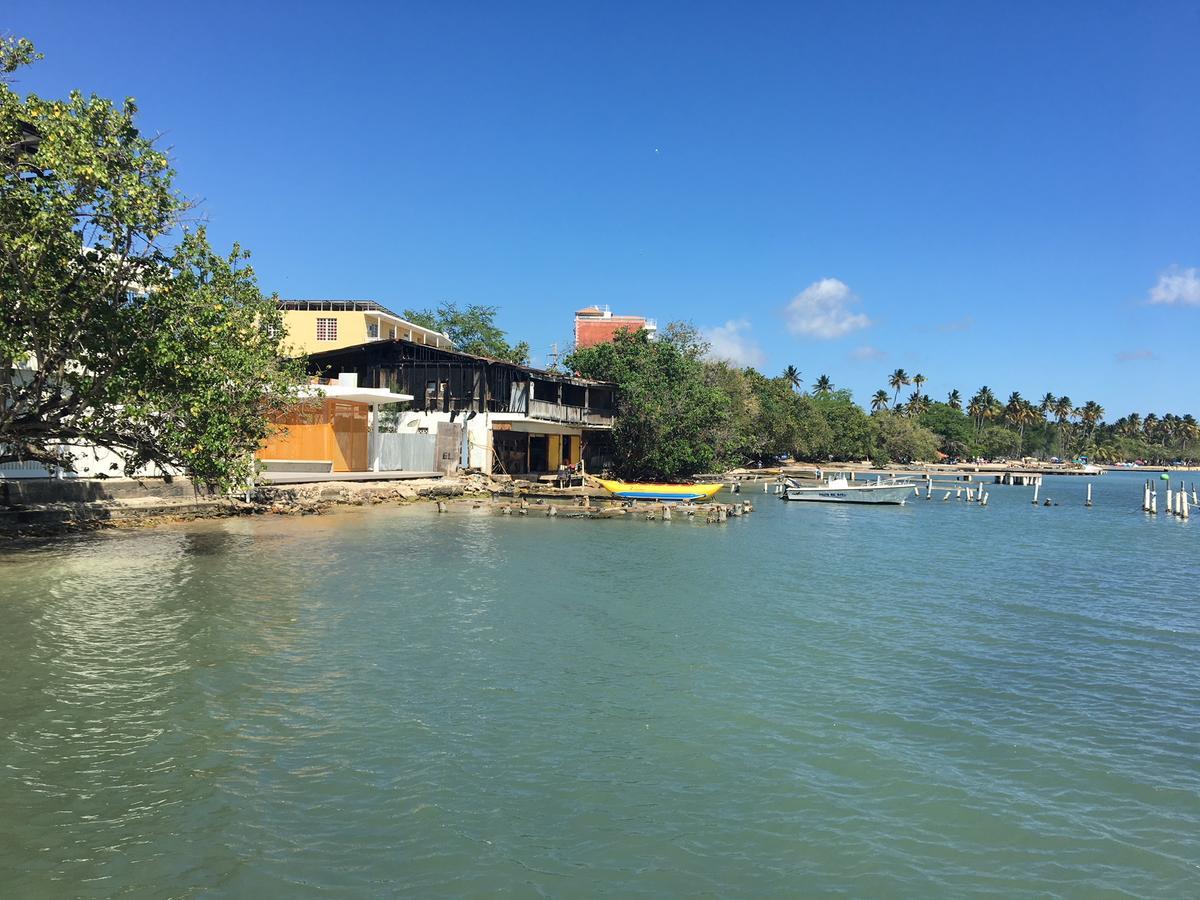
x=628 y=490
x=894 y=495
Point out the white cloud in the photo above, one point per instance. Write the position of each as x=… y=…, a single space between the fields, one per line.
x=1136 y=356
x=731 y=343
x=821 y=310
x=966 y=323
x=1177 y=286
x=868 y=354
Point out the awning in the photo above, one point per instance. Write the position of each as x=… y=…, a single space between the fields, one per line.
x=371 y=396
x=518 y=422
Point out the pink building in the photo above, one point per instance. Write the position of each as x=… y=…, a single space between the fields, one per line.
x=594 y=325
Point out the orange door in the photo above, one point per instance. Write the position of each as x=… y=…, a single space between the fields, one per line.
x=350 y=433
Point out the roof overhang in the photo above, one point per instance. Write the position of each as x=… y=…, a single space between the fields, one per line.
x=371 y=396
x=518 y=422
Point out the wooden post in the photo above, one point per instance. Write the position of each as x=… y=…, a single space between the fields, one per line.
x=1170 y=500
x=1154 y=503
x=1036 y=485
x=666 y=512
x=1146 y=496
x=1183 y=505
x=1088 y=502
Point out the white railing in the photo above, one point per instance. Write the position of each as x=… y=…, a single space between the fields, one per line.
x=571 y=415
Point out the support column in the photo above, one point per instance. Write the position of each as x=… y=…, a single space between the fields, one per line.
x=374 y=408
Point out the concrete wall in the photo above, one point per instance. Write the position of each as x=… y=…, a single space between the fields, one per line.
x=90 y=462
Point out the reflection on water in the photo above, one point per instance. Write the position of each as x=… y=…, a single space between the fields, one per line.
x=938 y=699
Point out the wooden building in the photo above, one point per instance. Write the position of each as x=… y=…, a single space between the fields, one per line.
x=519 y=420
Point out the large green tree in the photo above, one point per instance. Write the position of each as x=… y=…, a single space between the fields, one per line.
x=117 y=329
x=670 y=414
x=473 y=330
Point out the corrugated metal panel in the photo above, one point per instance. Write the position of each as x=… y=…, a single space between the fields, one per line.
x=407 y=452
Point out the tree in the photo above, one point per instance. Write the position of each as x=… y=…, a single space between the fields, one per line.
x=879 y=400
x=918 y=380
x=901 y=439
x=792 y=374
x=1091 y=413
x=897 y=380
x=473 y=330
x=670 y=415
x=952 y=427
x=116 y=329
x=1046 y=406
x=823 y=385
x=850 y=428
x=998 y=442
x=954 y=399
x=1063 y=411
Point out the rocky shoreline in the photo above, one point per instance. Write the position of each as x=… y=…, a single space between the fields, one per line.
x=46 y=508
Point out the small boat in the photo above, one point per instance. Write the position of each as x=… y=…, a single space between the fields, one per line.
x=628 y=490
x=838 y=489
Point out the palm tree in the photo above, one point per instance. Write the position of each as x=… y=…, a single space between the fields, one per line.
x=1047 y=404
x=1187 y=430
x=898 y=379
x=792 y=374
x=1012 y=409
x=1132 y=425
x=1091 y=413
x=919 y=380
x=879 y=401
x=1026 y=414
x=823 y=385
x=976 y=409
x=954 y=399
x=1063 y=411
x=916 y=404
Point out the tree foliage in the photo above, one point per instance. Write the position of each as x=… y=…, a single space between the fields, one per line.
x=473 y=330
x=116 y=329
x=670 y=416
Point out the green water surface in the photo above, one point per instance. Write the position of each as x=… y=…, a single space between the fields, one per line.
x=928 y=701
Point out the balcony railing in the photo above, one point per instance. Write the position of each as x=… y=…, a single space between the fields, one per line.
x=570 y=415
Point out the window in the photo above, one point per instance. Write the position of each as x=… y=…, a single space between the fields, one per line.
x=392 y=333
x=326 y=329
x=372 y=331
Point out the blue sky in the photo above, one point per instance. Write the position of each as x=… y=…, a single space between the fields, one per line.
x=985 y=193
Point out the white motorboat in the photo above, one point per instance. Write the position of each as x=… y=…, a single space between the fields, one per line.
x=839 y=489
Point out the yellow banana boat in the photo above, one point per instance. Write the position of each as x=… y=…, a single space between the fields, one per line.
x=633 y=491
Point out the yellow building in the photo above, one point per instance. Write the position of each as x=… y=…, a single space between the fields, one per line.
x=316 y=325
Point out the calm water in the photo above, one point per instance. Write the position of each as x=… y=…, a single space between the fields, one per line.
x=929 y=701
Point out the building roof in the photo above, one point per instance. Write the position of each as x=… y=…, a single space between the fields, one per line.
x=363 y=306
x=544 y=373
